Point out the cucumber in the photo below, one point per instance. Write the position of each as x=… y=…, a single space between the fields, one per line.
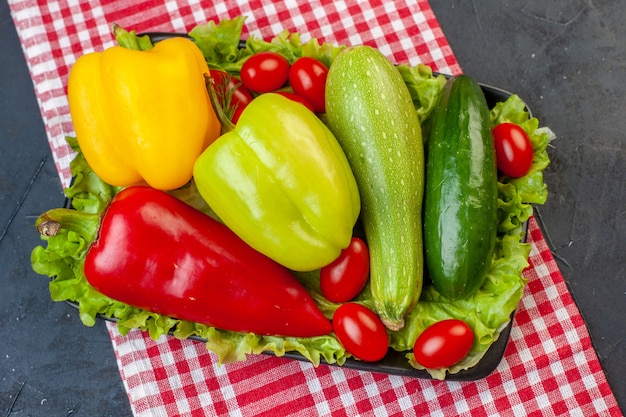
x=370 y=112
x=461 y=194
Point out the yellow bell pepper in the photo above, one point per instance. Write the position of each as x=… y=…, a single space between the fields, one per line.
x=143 y=116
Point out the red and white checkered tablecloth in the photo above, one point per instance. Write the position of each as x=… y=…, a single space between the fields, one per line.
x=549 y=368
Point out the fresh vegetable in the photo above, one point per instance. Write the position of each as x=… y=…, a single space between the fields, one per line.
x=307 y=77
x=461 y=195
x=530 y=187
x=296 y=98
x=361 y=332
x=157 y=253
x=233 y=95
x=142 y=115
x=282 y=183
x=443 y=344
x=344 y=278
x=514 y=152
x=220 y=41
x=265 y=71
x=487 y=311
x=370 y=111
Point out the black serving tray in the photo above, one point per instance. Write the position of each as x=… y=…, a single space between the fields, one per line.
x=395 y=363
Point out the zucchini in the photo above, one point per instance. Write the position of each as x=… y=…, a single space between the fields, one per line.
x=370 y=112
x=461 y=194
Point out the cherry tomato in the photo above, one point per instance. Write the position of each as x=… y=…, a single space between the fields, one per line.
x=443 y=344
x=360 y=332
x=265 y=71
x=295 y=97
x=514 y=151
x=240 y=95
x=307 y=77
x=345 y=277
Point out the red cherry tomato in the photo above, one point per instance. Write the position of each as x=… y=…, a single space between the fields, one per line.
x=345 y=277
x=514 y=151
x=307 y=77
x=443 y=344
x=360 y=332
x=240 y=95
x=296 y=98
x=265 y=71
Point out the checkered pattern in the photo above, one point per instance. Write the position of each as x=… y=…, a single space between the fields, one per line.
x=549 y=367
x=55 y=33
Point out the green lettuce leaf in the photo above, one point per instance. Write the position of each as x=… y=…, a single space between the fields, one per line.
x=219 y=43
x=424 y=87
x=488 y=311
x=87 y=192
x=531 y=186
x=290 y=45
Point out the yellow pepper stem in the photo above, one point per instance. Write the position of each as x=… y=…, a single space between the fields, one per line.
x=130 y=40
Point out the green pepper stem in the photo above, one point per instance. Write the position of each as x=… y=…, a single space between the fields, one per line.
x=223 y=118
x=84 y=224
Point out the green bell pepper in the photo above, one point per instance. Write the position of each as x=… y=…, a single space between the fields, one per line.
x=282 y=183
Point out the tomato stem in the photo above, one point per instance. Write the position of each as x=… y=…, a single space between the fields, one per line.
x=227 y=125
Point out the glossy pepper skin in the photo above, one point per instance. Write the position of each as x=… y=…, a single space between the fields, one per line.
x=281 y=182
x=143 y=115
x=157 y=253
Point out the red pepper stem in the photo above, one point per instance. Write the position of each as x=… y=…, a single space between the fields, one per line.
x=223 y=118
x=84 y=224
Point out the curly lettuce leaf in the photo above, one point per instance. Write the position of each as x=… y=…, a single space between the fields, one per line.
x=424 y=87
x=291 y=46
x=87 y=192
x=62 y=261
x=219 y=43
x=531 y=186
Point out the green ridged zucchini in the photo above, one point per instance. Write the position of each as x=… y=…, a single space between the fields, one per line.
x=370 y=111
x=460 y=202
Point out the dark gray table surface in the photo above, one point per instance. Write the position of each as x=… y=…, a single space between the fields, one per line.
x=565 y=58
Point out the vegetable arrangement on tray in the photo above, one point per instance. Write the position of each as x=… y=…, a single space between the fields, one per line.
x=228 y=197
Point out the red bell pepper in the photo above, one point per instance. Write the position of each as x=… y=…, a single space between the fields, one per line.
x=157 y=253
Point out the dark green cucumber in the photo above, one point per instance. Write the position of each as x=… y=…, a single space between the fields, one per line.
x=460 y=200
x=370 y=111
